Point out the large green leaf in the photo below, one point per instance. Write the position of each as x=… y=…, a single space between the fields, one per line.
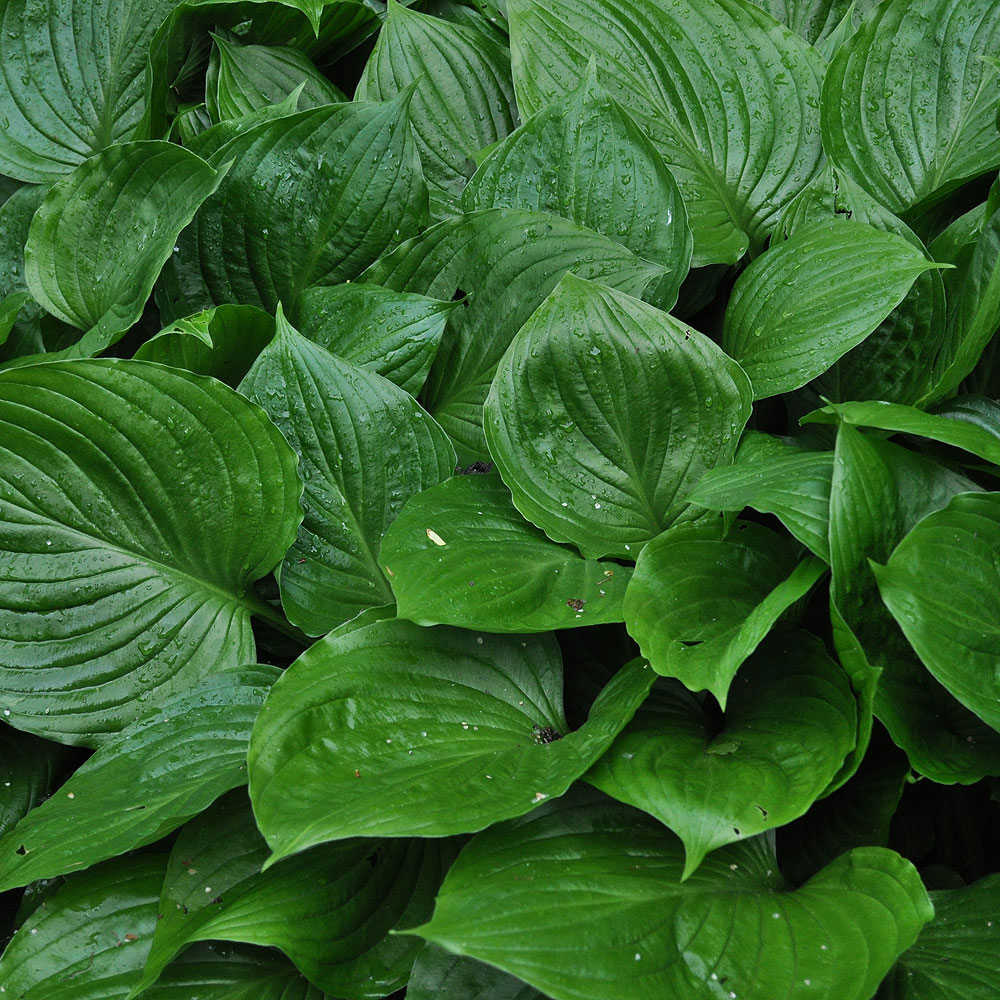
x=393 y=333
x=365 y=448
x=605 y=412
x=485 y=567
x=699 y=604
x=138 y=505
x=102 y=234
x=790 y=722
x=329 y=910
x=28 y=768
x=440 y=975
x=814 y=20
x=728 y=96
x=582 y=899
x=73 y=80
x=910 y=104
x=508 y=260
x=955 y=957
x=138 y=788
x=464 y=97
x=89 y=941
x=311 y=198
x=808 y=300
x=367 y=722
x=584 y=157
x=942 y=585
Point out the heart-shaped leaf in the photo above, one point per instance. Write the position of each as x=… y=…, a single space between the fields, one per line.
x=366 y=447
x=488 y=568
x=588 y=460
x=366 y=722
x=138 y=504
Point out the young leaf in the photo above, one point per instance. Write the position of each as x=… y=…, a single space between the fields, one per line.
x=583 y=157
x=440 y=975
x=699 y=604
x=808 y=300
x=488 y=568
x=727 y=95
x=27 y=773
x=366 y=722
x=138 y=504
x=137 y=788
x=566 y=897
x=588 y=460
x=365 y=448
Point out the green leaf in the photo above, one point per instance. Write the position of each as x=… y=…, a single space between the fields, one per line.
x=910 y=104
x=583 y=157
x=439 y=975
x=329 y=911
x=464 y=96
x=393 y=333
x=567 y=897
x=102 y=234
x=942 y=585
x=740 y=132
x=365 y=448
x=73 y=80
x=777 y=477
x=814 y=20
x=137 y=788
x=90 y=939
x=807 y=301
x=571 y=423
x=138 y=504
x=508 y=260
x=365 y=723
x=223 y=342
x=246 y=78
x=485 y=567
x=790 y=722
x=699 y=604
x=311 y=198
x=955 y=957
x=28 y=768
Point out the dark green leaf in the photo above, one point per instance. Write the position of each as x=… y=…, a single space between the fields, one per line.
x=814 y=20
x=440 y=975
x=27 y=773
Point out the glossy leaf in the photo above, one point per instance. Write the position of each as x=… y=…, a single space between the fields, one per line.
x=138 y=787
x=700 y=604
x=567 y=897
x=440 y=975
x=365 y=448
x=365 y=723
x=28 y=768
x=132 y=535
x=807 y=301
x=587 y=462
x=485 y=567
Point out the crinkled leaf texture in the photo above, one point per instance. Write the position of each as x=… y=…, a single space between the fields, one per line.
x=138 y=505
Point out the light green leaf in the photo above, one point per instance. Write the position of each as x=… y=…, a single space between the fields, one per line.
x=567 y=897
x=329 y=911
x=726 y=94
x=700 y=604
x=790 y=722
x=138 y=504
x=102 y=234
x=28 y=769
x=90 y=939
x=955 y=957
x=440 y=975
x=942 y=585
x=365 y=448
x=464 y=97
x=311 y=198
x=366 y=723
x=775 y=477
x=910 y=104
x=73 y=80
x=245 y=78
x=583 y=157
x=393 y=333
x=138 y=788
x=484 y=567
x=572 y=425
x=807 y=301
x=507 y=260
